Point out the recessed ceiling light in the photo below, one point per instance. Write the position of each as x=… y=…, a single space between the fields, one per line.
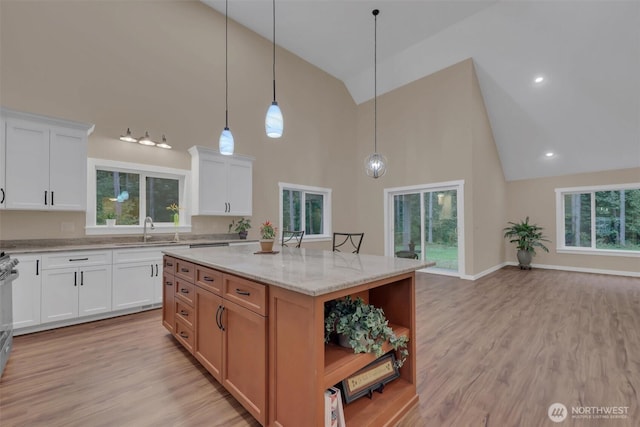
x=538 y=79
x=549 y=154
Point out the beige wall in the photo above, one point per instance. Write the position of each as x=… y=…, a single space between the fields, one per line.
x=159 y=66
x=536 y=198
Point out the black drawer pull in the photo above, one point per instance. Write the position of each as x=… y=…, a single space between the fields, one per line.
x=168 y=283
x=184 y=270
x=183 y=335
x=208 y=279
x=245 y=293
x=184 y=290
x=78 y=259
x=169 y=264
x=184 y=313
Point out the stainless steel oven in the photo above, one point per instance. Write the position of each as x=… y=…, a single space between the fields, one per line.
x=7 y=275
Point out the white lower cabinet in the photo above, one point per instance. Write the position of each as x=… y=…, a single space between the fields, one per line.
x=72 y=292
x=75 y=284
x=26 y=291
x=137 y=277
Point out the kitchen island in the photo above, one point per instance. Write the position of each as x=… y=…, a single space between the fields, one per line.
x=256 y=323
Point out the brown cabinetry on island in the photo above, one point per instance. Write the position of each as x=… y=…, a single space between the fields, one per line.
x=221 y=319
x=264 y=340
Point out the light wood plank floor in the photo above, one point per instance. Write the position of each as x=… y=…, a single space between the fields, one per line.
x=494 y=352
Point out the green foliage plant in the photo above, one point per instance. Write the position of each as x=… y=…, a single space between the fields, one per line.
x=268 y=231
x=526 y=236
x=243 y=224
x=365 y=325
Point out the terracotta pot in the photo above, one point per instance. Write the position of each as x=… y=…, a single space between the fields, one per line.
x=266 y=245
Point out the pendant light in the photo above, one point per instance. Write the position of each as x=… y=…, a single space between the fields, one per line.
x=128 y=137
x=274 y=123
x=226 y=143
x=376 y=163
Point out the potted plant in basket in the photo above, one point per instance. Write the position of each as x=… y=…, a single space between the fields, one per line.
x=362 y=327
x=267 y=236
x=241 y=227
x=527 y=237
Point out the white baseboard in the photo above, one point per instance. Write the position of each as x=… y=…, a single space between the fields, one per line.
x=582 y=269
x=484 y=273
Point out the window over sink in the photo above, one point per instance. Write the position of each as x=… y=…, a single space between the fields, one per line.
x=130 y=192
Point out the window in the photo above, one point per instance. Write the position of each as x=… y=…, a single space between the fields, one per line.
x=602 y=219
x=130 y=192
x=306 y=208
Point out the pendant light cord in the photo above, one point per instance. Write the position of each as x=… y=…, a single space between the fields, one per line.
x=375 y=80
x=274 y=50
x=226 y=64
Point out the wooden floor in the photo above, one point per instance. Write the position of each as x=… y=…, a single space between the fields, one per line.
x=494 y=352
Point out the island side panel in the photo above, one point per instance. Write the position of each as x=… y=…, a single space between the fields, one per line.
x=296 y=350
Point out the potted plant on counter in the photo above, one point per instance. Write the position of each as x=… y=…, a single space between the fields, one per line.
x=110 y=219
x=241 y=227
x=527 y=237
x=267 y=236
x=362 y=327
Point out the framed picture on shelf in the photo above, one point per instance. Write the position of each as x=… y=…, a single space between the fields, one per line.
x=372 y=377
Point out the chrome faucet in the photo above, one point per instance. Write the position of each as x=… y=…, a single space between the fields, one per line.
x=147 y=220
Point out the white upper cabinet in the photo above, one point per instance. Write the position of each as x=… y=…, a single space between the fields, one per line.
x=46 y=162
x=222 y=185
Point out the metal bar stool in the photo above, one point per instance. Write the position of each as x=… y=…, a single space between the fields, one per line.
x=343 y=242
x=290 y=237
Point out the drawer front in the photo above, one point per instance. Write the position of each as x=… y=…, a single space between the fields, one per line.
x=185 y=291
x=185 y=335
x=76 y=259
x=209 y=279
x=185 y=313
x=185 y=270
x=169 y=265
x=246 y=293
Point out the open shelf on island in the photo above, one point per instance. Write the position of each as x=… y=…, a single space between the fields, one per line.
x=340 y=362
x=381 y=408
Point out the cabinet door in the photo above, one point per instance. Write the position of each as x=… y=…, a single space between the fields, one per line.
x=244 y=357
x=26 y=292
x=208 y=344
x=68 y=170
x=212 y=194
x=239 y=194
x=3 y=132
x=169 y=301
x=95 y=290
x=59 y=294
x=133 y=285
x=27 y=161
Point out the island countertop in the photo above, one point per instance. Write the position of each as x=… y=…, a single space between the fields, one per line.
x=307 y=271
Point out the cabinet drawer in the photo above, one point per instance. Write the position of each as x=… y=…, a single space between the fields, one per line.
x=184 y=334
x=75 y=259
x=185 y=270
x=169 y=265
x=184 y=313
x=185 y=291
x=209 y=279
x=246 y=293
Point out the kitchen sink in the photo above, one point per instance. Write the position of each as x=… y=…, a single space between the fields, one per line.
x=151 y=243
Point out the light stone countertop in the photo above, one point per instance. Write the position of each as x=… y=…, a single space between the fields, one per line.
x=307 y=271
x=125 y=242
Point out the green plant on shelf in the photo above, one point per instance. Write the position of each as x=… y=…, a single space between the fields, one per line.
x=364 y=325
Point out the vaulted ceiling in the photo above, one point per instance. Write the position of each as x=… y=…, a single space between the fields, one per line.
x=586 y=111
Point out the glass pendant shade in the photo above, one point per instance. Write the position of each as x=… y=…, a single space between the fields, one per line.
x=226 y=142
x=274 y=123
x=128 y=137
x=376 y=165
x=146 y=140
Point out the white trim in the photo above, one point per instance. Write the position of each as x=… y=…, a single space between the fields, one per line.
x=327 y=211
x=560 y=225
x=457 y=185
x=182 y=175
x=582 y=269
x=485 y=272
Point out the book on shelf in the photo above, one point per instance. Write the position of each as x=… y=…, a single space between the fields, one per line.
x=333 y=409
